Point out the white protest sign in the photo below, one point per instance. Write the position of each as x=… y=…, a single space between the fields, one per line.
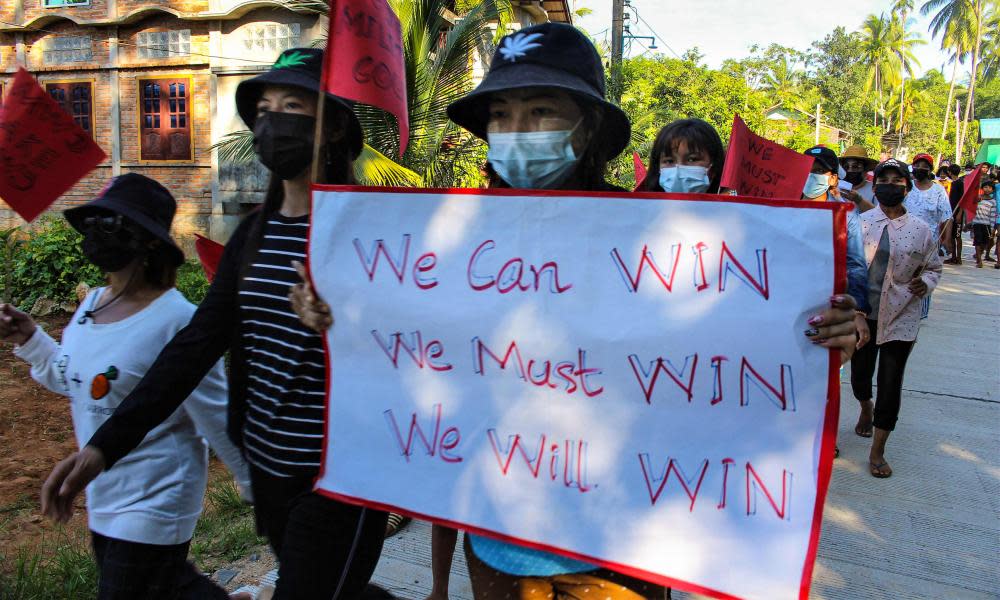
x=619 y=378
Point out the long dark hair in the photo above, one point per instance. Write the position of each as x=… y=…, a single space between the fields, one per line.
x=699 y=137
x=338 y=169
x=593 y=163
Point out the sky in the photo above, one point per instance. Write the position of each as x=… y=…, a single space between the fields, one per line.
x=725 y=29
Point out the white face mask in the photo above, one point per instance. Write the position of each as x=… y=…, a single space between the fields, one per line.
x=532 y=159
x=686 y=179
x=816 y=185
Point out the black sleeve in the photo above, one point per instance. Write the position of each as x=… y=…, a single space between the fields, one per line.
x=182 y=363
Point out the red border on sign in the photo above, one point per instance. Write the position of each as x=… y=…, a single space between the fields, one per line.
x=838 y=211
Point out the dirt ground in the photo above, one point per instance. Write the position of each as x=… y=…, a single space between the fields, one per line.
x=36 y=432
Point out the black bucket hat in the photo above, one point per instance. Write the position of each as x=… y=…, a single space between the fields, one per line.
x=139 y=199
x=301 y=68
x=896 y=165
x=552 y=55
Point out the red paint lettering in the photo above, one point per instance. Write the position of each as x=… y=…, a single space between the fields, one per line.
x=646 y=259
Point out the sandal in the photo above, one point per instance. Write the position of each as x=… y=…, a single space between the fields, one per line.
x=395 y=523
x=865 y=432
x=836 y=451
x=876 y=470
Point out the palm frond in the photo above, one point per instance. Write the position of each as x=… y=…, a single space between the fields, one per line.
x=236 y=147
x=374 y=168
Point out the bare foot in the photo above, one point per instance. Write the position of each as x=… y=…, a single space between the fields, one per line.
x=865 y=419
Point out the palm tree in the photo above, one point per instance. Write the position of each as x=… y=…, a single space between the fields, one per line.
x=991 y=46
x=957 y=42
x=961 y=13
x=437 y=55
x=874 y=56
x=782 y=80
x=901 y=43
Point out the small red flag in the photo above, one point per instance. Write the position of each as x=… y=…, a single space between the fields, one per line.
x=640 y=169
x=970 y=197
x=756 y=166
x=364 y=58
x=43 y=152
x=209 y=253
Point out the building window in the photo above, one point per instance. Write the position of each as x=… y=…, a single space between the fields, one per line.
x=77 y=99
x=272 y=37
x=67 y=49
x=164 y=44
x=57 y=3
x=165 y=119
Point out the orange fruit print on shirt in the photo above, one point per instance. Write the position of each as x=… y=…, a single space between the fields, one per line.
x=101 y=385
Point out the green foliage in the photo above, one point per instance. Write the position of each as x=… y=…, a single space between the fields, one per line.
x=226 y=530
x=10 y=245
x=191 y=281
x=49 y=263
x=66 y=573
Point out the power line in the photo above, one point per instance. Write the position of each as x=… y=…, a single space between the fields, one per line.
x=657 y=35
x=155 y=47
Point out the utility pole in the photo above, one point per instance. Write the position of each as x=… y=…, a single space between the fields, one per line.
x=818 y=115
x=617 y=48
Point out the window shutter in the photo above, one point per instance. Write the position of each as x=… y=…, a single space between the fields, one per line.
x=165 y=119
x=76 y=99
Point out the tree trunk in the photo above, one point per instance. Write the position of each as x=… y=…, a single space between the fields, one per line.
x=902 y=92
x=970 y=102
x=947 y=105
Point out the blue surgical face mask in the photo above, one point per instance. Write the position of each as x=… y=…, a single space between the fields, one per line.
x=817 y=185
x=686 y=179
x=532 y=159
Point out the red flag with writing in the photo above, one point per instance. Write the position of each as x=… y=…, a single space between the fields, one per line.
x=209 y=253
x=364 y=58
x=640 y=169
x=756 y=166
x=970 y=197
x=43 y=152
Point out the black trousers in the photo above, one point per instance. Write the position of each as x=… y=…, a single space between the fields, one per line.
x=892 y=358
x=326 y=549
x=130 y=570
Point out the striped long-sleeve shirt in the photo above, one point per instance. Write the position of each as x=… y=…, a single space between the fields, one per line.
x=283 y=432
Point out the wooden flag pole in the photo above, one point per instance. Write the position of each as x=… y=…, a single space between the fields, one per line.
x=317 y=175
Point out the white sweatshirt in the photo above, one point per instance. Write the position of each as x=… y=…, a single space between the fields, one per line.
x=153 y=495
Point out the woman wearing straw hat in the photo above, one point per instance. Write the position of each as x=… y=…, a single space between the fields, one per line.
x=142 y=514
x=325 y=549
x=856 y=165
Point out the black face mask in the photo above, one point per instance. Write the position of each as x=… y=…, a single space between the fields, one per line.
x=109 y=252
x=284 y=142
x=890 y=194
x=921 y=174
x=854 y=177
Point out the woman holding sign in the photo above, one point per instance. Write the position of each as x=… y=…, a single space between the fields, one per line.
x=277 y=377
x=542 y=110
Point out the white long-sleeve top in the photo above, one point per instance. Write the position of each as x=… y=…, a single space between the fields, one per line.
x=154 y=495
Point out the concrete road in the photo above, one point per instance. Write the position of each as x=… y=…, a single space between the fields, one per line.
x=930 y=531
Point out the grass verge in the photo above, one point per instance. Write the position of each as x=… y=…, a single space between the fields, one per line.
x=59 y=566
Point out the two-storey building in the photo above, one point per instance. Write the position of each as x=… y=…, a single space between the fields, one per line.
x=153 y=81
